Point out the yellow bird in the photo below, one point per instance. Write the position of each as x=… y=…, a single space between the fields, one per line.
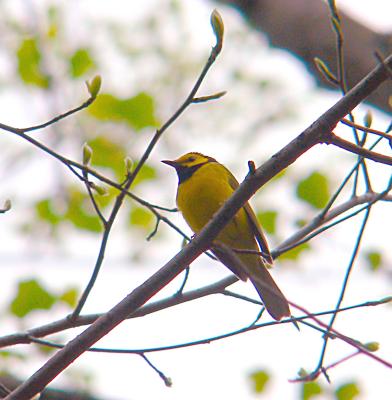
x=203 y=187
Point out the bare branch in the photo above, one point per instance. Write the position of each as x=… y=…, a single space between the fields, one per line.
x=352 y=148
x=321 y=219
x=357 y=345
x=350 y=266
x=302 y=319
x=51 y=121
x=366 y=129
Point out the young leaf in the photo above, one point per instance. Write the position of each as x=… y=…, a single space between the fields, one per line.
x=314 y=190
x=372 y=346
x=70 y=297
x=45 y=211
x=374 y=260
x=268 y=220
x=128 y=164
x=259 y=380
x=108 y=154
x=31 y=296
x=294 y=253
x=310 y=390
x=77 y=214
x=87 y=154
x=325 y=71
x=80 y=62
x=29 y=64
x=147 y=173
x=138 y=111
x=141 y=217
x=100 y=190
x=349 y=391
x=218 y=27
x=94 y=86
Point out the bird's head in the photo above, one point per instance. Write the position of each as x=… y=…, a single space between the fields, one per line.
x=187 y=164
x=189 y=160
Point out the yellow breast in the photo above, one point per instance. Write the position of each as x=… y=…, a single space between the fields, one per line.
x=201 y=196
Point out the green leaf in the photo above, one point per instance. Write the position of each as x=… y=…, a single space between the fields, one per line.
x=268 y=220
x=314 y=190
x=29 y=64
x=259 y=380
x=80 y=62
x=374 y=259
x=77 y=214
x=294 y=253
x=146 y=173
x=11 y=354
x=31 y=296
x=45 y=211
x=141 y=217
x=138 y=111
x=348 y=391
x=108 y=154
x=310 y=389
x=70 y=297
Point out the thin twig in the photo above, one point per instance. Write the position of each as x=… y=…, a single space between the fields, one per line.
x=184 y=281
x=352 y=148
x=315 y=227
x=343 y=184
x=167 y=381
x=302 y=319
x=92 y=198
x=366 y=129
x=12 y=129
x=343 y=290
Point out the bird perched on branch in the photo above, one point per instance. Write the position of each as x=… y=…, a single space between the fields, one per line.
x=204 y=185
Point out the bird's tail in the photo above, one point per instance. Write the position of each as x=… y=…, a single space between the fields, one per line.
x=269 y=292
x=250 y=267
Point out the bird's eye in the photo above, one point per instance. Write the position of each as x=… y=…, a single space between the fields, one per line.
x=191 y=159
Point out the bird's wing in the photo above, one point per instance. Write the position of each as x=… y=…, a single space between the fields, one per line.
x=257 y=231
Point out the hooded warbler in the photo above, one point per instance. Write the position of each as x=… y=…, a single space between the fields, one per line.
x=203 y=187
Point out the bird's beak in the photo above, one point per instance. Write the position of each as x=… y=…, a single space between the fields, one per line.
x=170 y=162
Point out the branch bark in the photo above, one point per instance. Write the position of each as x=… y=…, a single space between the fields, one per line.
x=352 y=148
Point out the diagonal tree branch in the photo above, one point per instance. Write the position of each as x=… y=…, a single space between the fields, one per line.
x=352 y=148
